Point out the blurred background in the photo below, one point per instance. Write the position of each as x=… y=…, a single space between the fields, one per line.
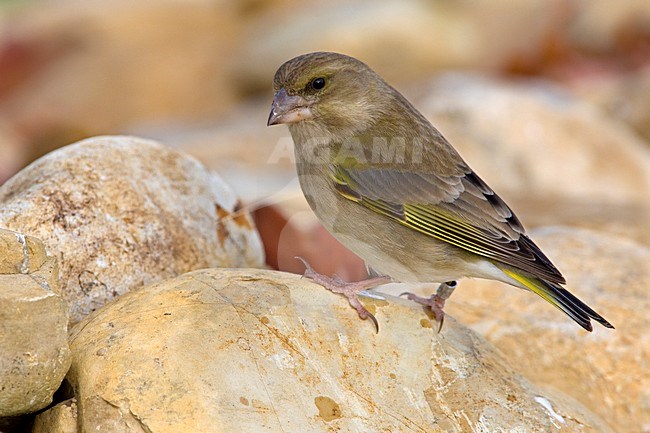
x=548 y=100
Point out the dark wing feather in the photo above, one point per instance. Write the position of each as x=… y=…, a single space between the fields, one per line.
x=459 y=209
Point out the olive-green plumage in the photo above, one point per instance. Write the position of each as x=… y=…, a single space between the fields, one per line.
x=391 y=188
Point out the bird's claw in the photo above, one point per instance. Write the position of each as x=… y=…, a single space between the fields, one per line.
x=350 y=290
x=361 y=310
x=435 y=302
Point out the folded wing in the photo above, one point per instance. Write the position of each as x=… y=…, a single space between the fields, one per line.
x=459 y=209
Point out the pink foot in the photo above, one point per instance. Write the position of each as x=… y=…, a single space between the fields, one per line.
x=350 y=290
x=435 y=302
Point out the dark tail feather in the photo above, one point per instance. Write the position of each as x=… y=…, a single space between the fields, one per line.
x=561 y=298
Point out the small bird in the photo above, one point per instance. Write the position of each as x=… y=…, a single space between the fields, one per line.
x=387 y=184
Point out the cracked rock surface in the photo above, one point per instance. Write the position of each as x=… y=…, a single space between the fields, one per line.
x=34 y=352
x=121 y=212
x=61 y=418
x=607 y=371
x=223 y=350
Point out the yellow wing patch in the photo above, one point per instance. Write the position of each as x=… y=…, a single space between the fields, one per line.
x=437 y=223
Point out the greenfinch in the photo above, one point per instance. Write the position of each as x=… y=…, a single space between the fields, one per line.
x=392 y=189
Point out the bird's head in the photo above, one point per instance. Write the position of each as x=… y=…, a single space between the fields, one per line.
x=330 y=91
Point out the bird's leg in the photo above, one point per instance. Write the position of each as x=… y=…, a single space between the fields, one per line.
x=435 y=302
x=350 y=290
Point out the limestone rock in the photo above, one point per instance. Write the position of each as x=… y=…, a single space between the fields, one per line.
x=628 y=220
x=82 y=60
x=621 y=96
x=223 y=350
x=401 y=40
x=61 y=418
x=121 y=212
x=256 y=160
x=20 y=254
x=607 y=371
x=34 y=353
x=538 y=140
x=602 y=26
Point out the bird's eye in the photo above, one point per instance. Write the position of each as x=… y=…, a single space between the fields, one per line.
x=317 y=83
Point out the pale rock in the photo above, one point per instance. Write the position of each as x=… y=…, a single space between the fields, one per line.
x=602 y=26
x=103 y=65
x=20 y=254
x=623 y=96
x=34 y=352
x=608 y=371
x=534 y=139
x=224 y=350
x=256 y=160
x=629 y=220
x=401 y=40
x=61 y=418
x=122 y=212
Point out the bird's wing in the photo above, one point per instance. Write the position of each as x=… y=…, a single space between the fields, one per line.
x=459 y=209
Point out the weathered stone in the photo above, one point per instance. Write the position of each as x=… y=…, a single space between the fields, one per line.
x=538 y=140
x=621 y=96
x=85 y=68
x=257 y=161
x=20 y=254
x=607 y=371
x=628 y=220
x=221 y=350
x=61 y=418
x=601 y=26
x=34 y=353
x=401 y=40
x=121 y=212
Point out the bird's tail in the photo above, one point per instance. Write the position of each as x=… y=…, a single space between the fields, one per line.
x=561 y=298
